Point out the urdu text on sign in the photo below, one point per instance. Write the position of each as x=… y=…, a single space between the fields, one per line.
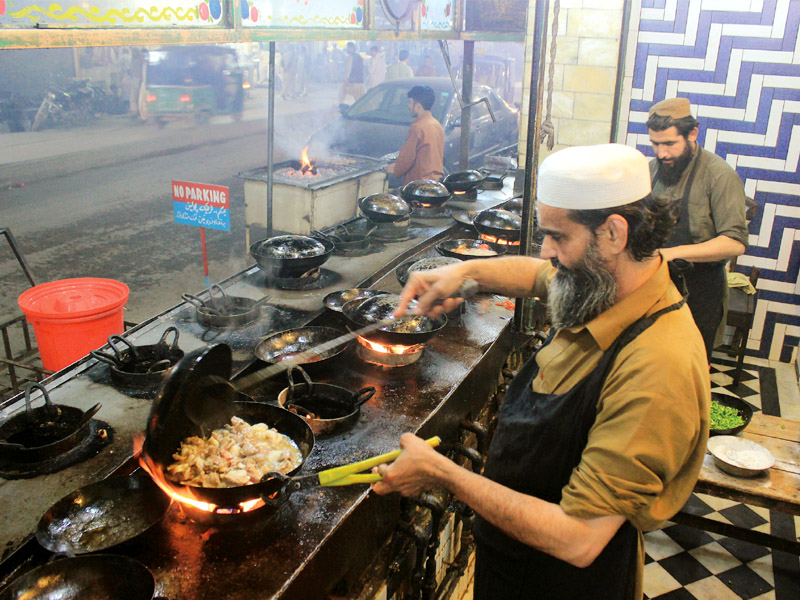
x=201 y=204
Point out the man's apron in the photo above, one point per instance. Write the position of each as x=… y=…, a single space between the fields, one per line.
x=706 y=282
x=538 y=443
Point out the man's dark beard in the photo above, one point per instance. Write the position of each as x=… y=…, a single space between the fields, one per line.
x=579 y=294
x=671 y=174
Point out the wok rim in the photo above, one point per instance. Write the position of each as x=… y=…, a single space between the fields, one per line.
x=334 y=333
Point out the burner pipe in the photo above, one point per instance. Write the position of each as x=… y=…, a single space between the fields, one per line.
x=460 y=563
x=437 y=507
x=524 y=313
x=479 y=431
x=270 y=134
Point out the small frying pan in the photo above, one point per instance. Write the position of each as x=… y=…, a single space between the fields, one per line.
x=282 y=346
x=94 y=577
x=327 y=408
x=102 y=515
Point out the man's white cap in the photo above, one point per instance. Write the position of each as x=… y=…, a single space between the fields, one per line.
x=591 y=177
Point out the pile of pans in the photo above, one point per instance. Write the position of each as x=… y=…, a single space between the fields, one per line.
x=223 y=311
x=143 y=366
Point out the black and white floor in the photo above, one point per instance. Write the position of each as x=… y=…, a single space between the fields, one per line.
x=684 y=563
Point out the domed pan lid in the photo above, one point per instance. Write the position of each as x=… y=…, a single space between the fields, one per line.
x=426 y=191
x=384 y=207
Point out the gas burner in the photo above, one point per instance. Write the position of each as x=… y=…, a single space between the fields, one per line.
x=388 y=356
x=394 y=231
x=98 y=437
x=226 y=516
x=429 y=211
x=468 y=196
x=311 y=280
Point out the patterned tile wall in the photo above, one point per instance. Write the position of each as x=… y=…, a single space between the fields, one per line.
x=738 y=61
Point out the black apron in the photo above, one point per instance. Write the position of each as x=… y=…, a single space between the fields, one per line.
x=538 y=443
x=706 y=282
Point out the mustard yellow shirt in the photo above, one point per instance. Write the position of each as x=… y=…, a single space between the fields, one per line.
x=647 y=444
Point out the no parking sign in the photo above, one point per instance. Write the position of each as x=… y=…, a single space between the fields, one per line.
x=201 y=204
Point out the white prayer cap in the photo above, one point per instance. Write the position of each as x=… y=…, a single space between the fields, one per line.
x=591 y=177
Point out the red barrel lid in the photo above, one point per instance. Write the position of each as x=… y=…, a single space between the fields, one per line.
x=72 y=298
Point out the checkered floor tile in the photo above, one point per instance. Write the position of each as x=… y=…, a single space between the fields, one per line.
x=684 y=563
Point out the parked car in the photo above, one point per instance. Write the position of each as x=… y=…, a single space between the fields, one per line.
x=377 y=123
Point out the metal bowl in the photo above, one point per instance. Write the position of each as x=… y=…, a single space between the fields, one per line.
x=424 y=264
x=426 y=191
x=384 y=207
x=740 y=456
x=336 y=300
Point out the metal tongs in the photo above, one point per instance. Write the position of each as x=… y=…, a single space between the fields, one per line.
x=345 y=475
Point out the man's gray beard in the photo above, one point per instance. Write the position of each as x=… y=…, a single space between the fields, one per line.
x=580 y=294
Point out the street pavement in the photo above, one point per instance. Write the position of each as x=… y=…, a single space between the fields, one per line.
x=27 y=157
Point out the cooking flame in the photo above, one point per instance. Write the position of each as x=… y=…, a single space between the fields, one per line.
x=500 y=241
x=180 y=493
x=390 y=349
x=305 y=160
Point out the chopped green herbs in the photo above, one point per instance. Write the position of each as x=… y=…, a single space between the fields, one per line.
x=724 y=417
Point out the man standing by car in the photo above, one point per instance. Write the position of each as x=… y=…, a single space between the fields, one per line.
x=400 y=69
x=353 y=84
x=710 y=196
x=422 y=154
x=602 y=433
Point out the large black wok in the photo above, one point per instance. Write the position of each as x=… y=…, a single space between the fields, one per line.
x=92 y=577
x=102 y=515
x=43 y=432
x=425 y=191
x=140 y=366
x=174 y=417
x=407 y=330
x=290 y=255
x=499 y=223
x=384 y=208
x=464 y=181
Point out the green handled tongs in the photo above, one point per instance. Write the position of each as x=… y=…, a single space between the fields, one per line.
x=349 y=474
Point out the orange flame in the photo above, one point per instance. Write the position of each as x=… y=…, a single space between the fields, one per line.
x=179 y=493
x=305 y=160
x=500 y=241
x=389 y=349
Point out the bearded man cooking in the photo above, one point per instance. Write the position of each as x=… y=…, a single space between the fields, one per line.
x=710 y=195
x=602 y=433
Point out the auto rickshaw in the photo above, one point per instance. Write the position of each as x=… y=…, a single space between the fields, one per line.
x=192 y=82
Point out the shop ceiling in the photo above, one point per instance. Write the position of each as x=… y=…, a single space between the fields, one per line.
x=506 y=24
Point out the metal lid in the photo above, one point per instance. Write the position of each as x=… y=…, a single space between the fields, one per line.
x=424 y=188
x=385 y=204
x=290 y=246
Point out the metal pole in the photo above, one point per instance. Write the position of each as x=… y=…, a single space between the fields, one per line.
x=270 y=134
x=466 y=96
x=525 y=313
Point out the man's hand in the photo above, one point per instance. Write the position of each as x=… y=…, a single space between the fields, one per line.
x=433 y=289
x=414 y=471
x=389 y=168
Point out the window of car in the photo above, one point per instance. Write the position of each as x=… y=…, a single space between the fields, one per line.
x=389 y=104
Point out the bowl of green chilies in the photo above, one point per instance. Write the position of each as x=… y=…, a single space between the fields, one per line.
x=729 y=414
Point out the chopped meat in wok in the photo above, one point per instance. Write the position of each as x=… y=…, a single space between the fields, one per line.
x=238 y=454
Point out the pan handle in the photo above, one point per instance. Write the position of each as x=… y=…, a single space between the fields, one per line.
x=164 y=336
x=106 y=358
x=37 y=386
x=113 y=339
x=293 y=384
x=217 y=287
x=159 y=365
x=362 y=396
x=194 y=300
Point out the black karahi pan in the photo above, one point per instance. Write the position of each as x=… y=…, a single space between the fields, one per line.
x=425 y=191
x=43 y=432
x=178 y=413
x=101 y=515
x=91 y=577
x=455 y=248
x=327 y=408
x=499 y=223
x=336 y=300
x=407 y=330
x=290 y=255
x=493 y=182
x=384 y=208
x=223 y=311
x=464 y=181
x=141 y=366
